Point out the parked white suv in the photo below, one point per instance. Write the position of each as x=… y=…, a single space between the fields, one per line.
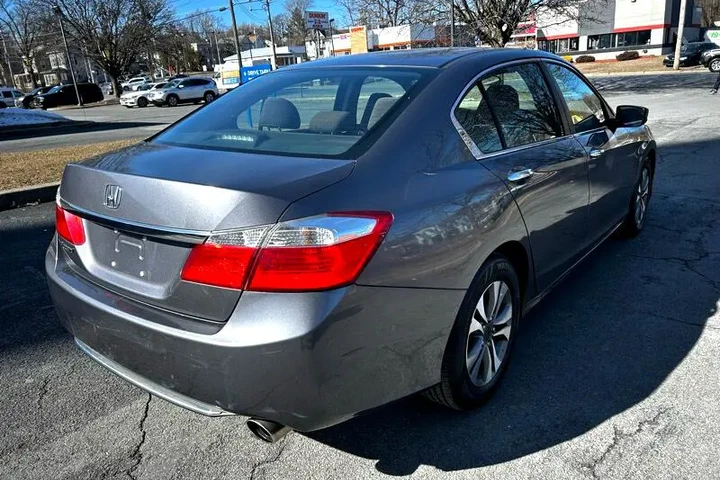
x=135 y=82
x=139 y=98
x=181 y=90
x=9 y=95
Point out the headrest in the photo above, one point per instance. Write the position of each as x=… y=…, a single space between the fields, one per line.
x=333 y=122
x=278 y=112
x=381 y=108
x=503 y=97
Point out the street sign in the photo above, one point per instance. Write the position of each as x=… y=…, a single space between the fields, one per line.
x=317 y=20
x=248 y=73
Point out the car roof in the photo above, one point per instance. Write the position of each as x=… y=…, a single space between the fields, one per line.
x=424 y=57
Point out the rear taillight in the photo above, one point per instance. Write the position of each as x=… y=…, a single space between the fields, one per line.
x=316 y=253
x=69 y=226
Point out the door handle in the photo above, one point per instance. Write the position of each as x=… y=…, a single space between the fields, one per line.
x=520 y=175
x=596 y=152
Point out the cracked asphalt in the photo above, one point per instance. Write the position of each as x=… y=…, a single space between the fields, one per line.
x=616 y=373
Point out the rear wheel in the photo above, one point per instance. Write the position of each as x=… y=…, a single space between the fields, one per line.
x=635 y=219
x=209 y=97
x=482 y=338
x=142 y=102
x=714 y=65
x=173 y=100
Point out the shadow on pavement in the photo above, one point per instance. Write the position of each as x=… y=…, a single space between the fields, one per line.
x=602 y=342
x=26 y=313
x=71 y=128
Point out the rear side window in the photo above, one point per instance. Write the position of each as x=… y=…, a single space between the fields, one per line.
x=302 y=112
x=6 y=94
x=586 y=108
x=522 y=105
x=473 y=114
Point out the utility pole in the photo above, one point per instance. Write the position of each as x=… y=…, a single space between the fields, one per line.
x=7 y=60
x=217 y=46
x=332 y=42
x=235 y=33
x=452 y=23
x=681 y=27
x=272 y=34
x=67 y=52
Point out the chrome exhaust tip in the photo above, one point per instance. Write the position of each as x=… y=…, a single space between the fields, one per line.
x=266 y=430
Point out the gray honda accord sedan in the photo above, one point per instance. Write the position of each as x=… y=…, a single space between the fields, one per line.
x=339 y=234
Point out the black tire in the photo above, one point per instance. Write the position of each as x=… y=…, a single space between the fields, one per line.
x=714 y=65
x=142 y=102
x=456 y=390
x=172 y=101
x=632 y=226
x=208 y=97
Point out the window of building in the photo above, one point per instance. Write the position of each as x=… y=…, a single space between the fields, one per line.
x=561 y=45
x=636 y=38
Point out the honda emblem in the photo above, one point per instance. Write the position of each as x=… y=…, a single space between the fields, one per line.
x=113 y=194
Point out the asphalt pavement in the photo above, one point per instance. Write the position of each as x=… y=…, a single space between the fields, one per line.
x=616 y=374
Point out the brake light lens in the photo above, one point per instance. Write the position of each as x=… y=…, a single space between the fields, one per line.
x=69 y=226
x=310 y=254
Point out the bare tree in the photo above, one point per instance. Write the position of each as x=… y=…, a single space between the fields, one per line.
x=296 y=26
x=710 y=12
x=113 y=33
x=494 y=21
x=25 y=31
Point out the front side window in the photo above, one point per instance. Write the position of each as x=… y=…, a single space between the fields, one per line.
x=6 y=94
x=586 y=108
x=302 y=112
x=522 y=105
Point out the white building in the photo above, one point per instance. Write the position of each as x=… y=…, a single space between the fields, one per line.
x=377 y=39
x=259 y=56
x=646 y=26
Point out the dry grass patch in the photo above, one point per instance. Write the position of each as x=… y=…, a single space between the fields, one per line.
x=22 y=169
x=642 y=64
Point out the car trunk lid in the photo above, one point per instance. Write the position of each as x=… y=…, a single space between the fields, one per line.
x=146 y=206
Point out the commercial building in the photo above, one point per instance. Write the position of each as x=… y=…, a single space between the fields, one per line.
x=646 y=26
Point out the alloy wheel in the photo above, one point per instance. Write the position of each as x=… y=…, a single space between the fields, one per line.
x=642 y=195
x=172 y=101
x=715 y=65
x=489 y=334
x=209 y=97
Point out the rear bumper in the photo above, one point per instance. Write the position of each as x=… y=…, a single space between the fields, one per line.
x=307 y=360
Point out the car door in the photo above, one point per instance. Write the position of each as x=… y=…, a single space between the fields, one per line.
x=612 y=158
x=185 y=90
x=544 y=168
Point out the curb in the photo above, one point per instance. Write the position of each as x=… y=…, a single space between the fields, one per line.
x=21 y=197
x=645 y=72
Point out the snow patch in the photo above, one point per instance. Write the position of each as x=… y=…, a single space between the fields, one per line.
x=17 y=116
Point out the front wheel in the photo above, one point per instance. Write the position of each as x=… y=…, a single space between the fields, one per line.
x=482 y=338
x=142 y=102
x=635 y=218
x=172 y=100
x=209 y=97
x=714 y=65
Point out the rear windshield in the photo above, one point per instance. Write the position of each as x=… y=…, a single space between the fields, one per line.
x=306 y=112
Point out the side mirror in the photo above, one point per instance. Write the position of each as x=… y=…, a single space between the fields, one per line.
x=630 y=116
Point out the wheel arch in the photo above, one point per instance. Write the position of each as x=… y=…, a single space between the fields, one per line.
x=519 y=256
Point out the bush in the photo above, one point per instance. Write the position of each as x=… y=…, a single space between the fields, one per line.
x=632 y=55
x=585 y=59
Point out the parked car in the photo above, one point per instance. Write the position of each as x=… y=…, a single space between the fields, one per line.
x=711 y=59
x=690 y=54
x=304 y=255
x=135 y=82
x=139 y=98
x=26 y=101
x=191 y=89
x=61 y=95
x=9 y=95
x=107 y=88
